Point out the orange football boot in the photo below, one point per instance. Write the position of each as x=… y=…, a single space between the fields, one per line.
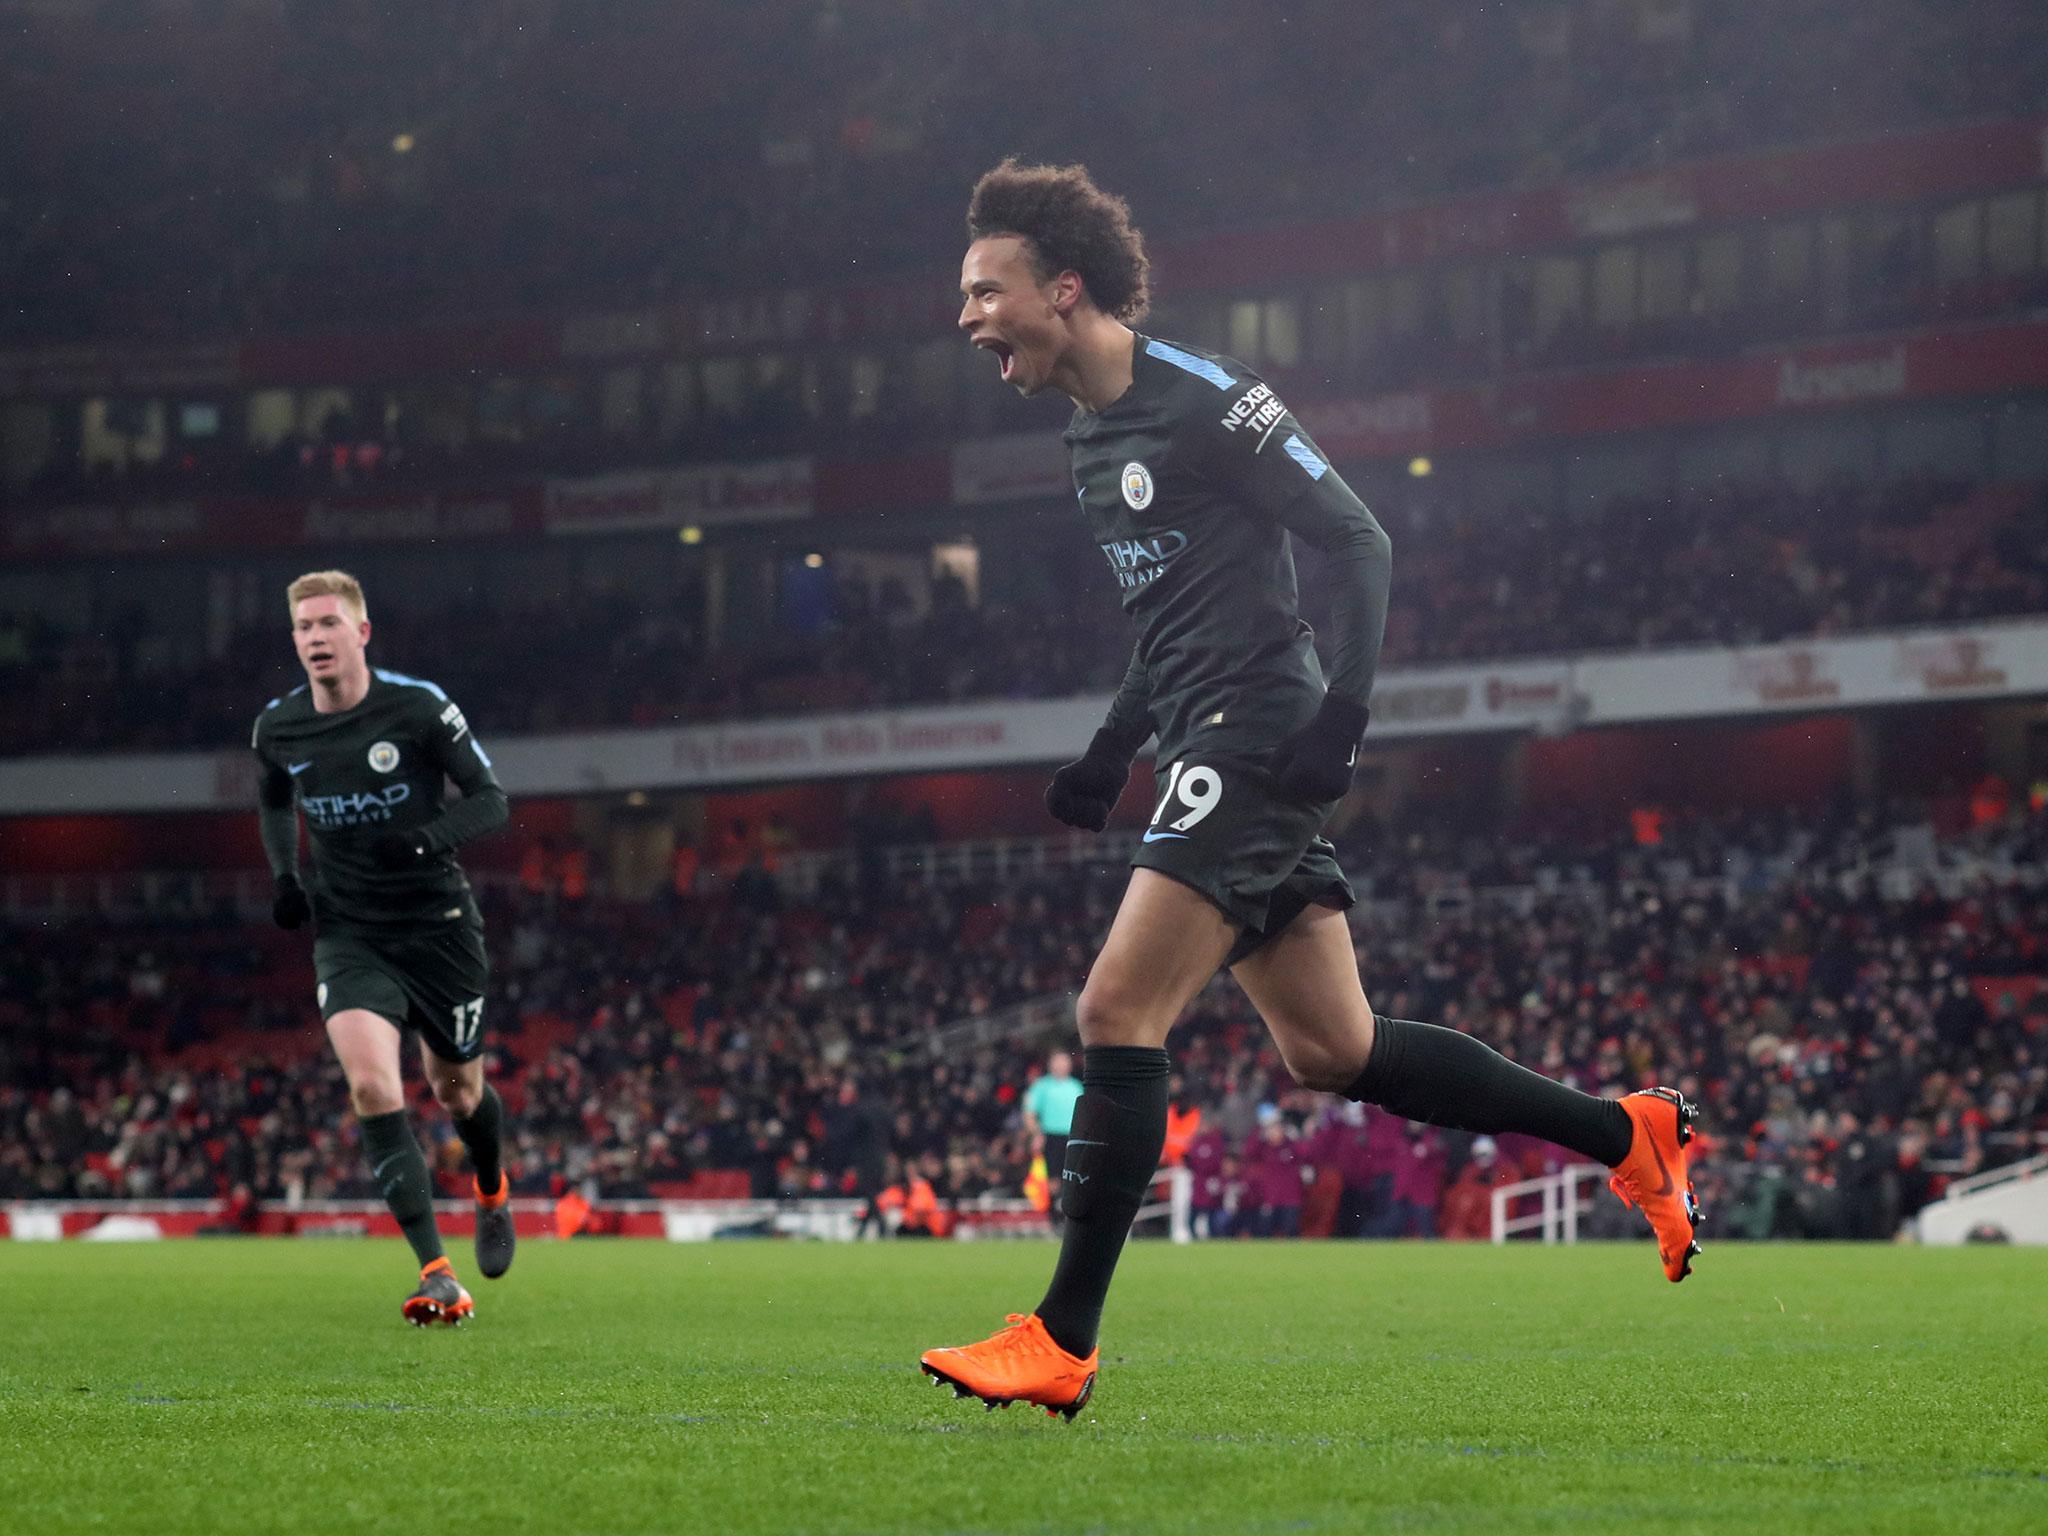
x=440 y=1298
x=1653 y=1178
x=1021 y=1364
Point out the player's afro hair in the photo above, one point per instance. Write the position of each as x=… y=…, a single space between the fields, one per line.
x=1072 y=225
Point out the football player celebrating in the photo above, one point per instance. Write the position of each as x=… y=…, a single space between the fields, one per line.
x=1193 y=477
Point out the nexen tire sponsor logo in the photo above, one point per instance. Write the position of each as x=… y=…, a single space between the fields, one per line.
x=357 y=809
x=1258 y=408
x=1140 y=562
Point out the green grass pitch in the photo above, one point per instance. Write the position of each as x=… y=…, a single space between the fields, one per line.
x=742 y=1387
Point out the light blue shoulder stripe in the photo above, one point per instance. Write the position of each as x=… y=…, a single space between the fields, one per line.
x=411 y=682
x=1187 y=362
x=282 y=697
x=1305 y=456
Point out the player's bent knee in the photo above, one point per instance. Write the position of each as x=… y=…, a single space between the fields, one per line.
x=1319 y=1070
x=375 y=1096
x=459 y=1098
x=1323 y=1063
x=1106 y=1016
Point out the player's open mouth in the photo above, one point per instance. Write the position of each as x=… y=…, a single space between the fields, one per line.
x=1006 y=355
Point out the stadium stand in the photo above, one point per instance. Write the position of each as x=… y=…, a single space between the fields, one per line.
x=284 y=164
x=1854 y=997
x=1741 y=565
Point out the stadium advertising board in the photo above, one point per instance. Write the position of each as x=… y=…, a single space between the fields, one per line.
x=249 y=522
x=1549 y=696
x=769 y=491
x=1987 y=661
x=1987 y=360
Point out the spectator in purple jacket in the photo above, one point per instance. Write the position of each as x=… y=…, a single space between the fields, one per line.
x=1418 y=1185
x=1207 y=1154
x=1342 y=1143
x=1273 y=1164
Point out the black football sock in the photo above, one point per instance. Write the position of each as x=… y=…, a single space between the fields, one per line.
x=482 y=1134
x=401 y=1174
x=1439 y=1076
x=1112 y=1154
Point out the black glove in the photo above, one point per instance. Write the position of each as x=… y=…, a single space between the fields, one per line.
x=393 y=849
x=290 y=909
x=1315 y=763
x=1083 y=793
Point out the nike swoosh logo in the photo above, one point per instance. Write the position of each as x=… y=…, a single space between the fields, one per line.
x=378 y=1171
x=296 y=769
x=1661 y=1169
x=1269 y=432
x=1160 y=837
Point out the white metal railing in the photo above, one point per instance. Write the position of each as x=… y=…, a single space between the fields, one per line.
x=1992 y=1178
x=1178 y=1206
x=1557 y=1217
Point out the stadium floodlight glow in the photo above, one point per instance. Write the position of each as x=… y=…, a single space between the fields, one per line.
x=691 y=534
x=814 y=560
x=1419 y=466
x=402 y=143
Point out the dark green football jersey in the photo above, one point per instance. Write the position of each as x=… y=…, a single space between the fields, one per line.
x=383 y=765
x=1191 y=483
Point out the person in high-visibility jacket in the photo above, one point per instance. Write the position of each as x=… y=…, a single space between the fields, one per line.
x=1183 y=1125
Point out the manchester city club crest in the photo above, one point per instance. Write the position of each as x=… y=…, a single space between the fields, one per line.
x=1137 y=486
x=384 y=756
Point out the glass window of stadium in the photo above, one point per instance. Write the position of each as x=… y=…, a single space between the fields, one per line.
x=725 y=386
x=270 y=415
x=1667 y=284
x=865 y=375
x=1407 y=305
x=1614 y=286
x=1790 y=251
x=680 y=400
x=1244 y=332
x=1329 y=327
x=622 y=405
x=1720 y=272
x=28 y=441
x=324 y=408
x=1959 y=243
x=115 y=433
x=1463 y=295
x=1367 y=317
x=934 y=376
x=1281 y=321
x=2011 y=246
x=1560 y=295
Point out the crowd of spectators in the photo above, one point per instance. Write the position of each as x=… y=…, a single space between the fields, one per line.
x=1850 y=997
x=1743 y=565
x=218 y=169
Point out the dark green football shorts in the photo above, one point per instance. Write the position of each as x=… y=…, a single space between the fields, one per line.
x=1223 y=827
x=428 y=983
